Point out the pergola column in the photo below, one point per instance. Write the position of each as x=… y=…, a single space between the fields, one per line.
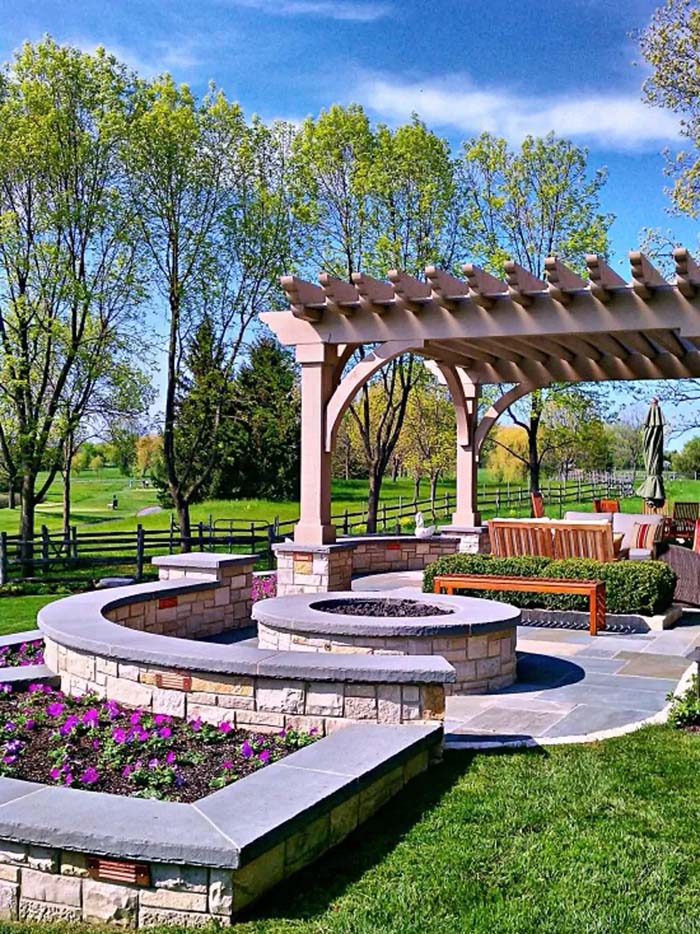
x=317 y=384
x=467 y=407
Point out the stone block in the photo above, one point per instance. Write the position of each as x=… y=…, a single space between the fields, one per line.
x=30 y=910
x=116 y=904
x=50 y=887
x=9 y=898
x=210 y=714
x=221 y=891
x=258 y=876
x=477 y=647
x=150 y=917
x=13 y=852
x=377 y=794
x=9 y=873
x=223 y=684
x=389 y=703
x=173 y=899
x=80 y=665
x=433 y=701
x=167 y=702
x=305 y=724
x=281 y=696
x=43 y=858
x=416 y=765
x=488 y=668
x=325 y=699
x=129 y=693
x=361 y=708
x=343 y=820
x=74 y=864
x=305 y=845
x=179 y=878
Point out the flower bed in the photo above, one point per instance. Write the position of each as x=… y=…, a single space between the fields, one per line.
x=264 y=586
x=22 y=654
x=49 y=737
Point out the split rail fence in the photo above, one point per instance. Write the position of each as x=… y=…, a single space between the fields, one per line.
x=57 y=552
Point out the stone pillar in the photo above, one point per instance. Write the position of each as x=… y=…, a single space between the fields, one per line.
x=313 y=568
x=233 y=575
x=317 y=365
x=466 y=402
x=473 y=539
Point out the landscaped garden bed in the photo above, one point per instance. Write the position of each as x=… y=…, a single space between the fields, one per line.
x=86 y=742
x=631 y=587
x=22 y=654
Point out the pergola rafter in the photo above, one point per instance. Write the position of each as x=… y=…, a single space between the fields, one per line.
x=480 y=330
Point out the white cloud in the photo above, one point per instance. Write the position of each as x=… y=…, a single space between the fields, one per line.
x=353 y=10
x=616 y=121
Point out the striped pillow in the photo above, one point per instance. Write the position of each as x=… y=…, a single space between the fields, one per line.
x=645 y=535
x=696 y=537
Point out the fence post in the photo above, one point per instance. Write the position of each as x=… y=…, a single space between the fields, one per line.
x=345 y=522
x=270 y=553
x=44 y=550
x=139 y=551
x=384 y=516
x=74 y=542
x=252 y=538
x=3 y=559
x=200 y=531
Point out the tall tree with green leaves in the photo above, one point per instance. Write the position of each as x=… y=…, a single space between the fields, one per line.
x=537 y=200
x=375 y=199
x=211 y=196
x=70 y=277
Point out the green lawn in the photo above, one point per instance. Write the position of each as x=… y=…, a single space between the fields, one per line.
x=19 y=613
x=598 y=838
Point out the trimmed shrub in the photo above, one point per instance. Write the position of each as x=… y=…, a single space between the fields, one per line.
x=642 y=587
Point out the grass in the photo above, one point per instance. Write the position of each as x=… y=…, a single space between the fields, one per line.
x=19 y=613
x=597 y=838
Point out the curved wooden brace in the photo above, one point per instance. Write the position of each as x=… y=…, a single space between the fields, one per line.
x=463 y=413
x=495 y=411
x=363 y=371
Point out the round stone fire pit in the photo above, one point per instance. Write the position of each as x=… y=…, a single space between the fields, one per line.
x=476 y=636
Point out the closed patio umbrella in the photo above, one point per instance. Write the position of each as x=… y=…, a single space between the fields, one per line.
x=652 y=488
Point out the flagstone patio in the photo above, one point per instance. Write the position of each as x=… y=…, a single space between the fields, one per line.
x=569 y=684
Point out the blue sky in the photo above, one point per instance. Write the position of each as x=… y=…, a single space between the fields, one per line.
x=508 y=66
x=505 y=65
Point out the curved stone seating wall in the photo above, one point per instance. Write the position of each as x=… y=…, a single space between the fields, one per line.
x=114 y=643
x=376 y=554
x=478 y=638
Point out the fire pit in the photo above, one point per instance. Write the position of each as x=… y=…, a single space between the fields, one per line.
x=476 y=636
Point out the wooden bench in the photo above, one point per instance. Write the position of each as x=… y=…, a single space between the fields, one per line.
x=552 y=539
x=594 y=590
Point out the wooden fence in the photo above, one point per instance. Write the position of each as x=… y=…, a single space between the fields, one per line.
x=51 y=551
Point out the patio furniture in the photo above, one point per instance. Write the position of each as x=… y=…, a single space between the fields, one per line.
x=606 y=505
x=537 y=504
x=683 y=520
x=552 y=538
x=594 y=590
x=636 y=545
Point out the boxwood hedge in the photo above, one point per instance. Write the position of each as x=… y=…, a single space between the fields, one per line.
x=643 y=587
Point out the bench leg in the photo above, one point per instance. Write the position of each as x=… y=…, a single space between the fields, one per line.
x=596 y=613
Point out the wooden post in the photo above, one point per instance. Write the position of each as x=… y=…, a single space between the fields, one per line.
x=270 y=553
x=3 y=559
x=44 y=550
x=74 y=539
x=345 y=521
x=139 y=551
x=200 y=529
x=252 y=538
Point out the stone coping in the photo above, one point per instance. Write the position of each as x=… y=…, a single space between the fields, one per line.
x=227 y=828
x=78 y=622
x=204 y=560
x=382 y=537
x=299 y=548
x=470 y=616
x=22 y=677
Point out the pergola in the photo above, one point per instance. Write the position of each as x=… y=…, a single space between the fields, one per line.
x=524 y=333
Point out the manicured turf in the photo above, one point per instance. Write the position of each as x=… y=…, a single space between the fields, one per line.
x=599 y=838
x=19 y=613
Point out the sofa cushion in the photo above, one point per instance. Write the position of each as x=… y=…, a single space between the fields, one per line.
x=639 y=554
x=625 y=521
x=573 y=516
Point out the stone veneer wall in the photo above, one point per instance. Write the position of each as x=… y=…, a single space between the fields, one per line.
x=377 y=555
x=483 y=663
x=249 y=702
x=39 y=883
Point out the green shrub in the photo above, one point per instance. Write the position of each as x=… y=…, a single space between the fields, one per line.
x=643 y=587
x=685 y=710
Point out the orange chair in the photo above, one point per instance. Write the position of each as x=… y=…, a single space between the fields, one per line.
x=606 y=505
x=537 y=505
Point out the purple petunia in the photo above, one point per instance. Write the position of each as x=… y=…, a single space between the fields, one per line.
x=55 y=709
x=119 y=734
x=169 y=757
x=264 y=756
x=246 y=749
x=225 y=726
x=164 y=732
x=91 y=716
x=196 y=724
x=90 y=775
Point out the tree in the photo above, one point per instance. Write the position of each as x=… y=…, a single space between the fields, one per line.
x=372 y=199
x=211 y=197
x=687 y=460
x=97 y=463
x=506 y=459
x=526 y=204
x=670 y=46
x=69 y=264
x=149 y=455
x=264 y=415
x=428 y=438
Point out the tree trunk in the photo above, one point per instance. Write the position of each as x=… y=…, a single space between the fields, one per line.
x=416 y=487
x=533 y=454
x=433 y=489
x=26 y=524
x=68 y=459
x=375 y=488
x=395 y=465
x=11 y=493
x=183 y=518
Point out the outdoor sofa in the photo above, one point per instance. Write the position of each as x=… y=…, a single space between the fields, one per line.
x=623 y=523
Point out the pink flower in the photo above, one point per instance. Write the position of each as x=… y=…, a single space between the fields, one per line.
x=119 y=735
x=135 y=718
x=90 y=775
x=29 y=724
x=55 y=773
x=196 y=724
x=246 y=749
x=160 y=719
x=126 y=771
x=169 y=757
x=68 y=725
x=264 y=756
x=227 y=764
x=91 y=716
x=164 y=732
x=225 y=726
x=55 y=709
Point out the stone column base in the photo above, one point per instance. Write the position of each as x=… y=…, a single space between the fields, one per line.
x=313 y=568
x=473 y=539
